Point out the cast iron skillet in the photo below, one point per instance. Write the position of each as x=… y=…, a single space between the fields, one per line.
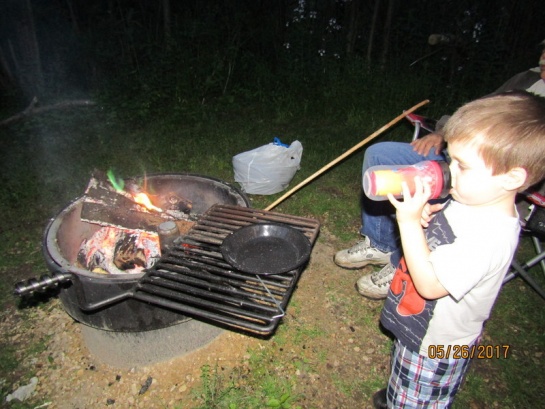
x=266 y=248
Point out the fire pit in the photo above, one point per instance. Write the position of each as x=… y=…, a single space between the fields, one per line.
x=190 y=280
x=66 y=232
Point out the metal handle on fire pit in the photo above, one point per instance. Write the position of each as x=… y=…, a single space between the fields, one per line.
x=43 y=283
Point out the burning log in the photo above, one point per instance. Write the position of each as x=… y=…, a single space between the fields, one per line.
x=119 y=214
x=129 y=209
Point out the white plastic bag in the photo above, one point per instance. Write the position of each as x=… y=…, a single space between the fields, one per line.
x=268 y=169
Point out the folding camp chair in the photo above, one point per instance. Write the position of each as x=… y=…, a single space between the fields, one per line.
x=533 y=225
x=421 y=122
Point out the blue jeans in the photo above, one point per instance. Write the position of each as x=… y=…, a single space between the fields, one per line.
x=378 y=217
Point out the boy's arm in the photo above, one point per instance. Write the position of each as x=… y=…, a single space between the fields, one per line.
x=411 y=214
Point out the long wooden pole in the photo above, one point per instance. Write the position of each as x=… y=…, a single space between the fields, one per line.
x=344 y=155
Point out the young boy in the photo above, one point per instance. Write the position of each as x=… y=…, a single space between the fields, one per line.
x=456 y=254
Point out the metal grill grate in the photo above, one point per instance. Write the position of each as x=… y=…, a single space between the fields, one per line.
x=193 y=278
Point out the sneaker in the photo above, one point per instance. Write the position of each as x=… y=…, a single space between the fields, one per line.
x=380 y=401
x=375 y=285
x=360 y=255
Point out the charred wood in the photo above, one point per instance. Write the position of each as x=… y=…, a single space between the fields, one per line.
x=104 y=205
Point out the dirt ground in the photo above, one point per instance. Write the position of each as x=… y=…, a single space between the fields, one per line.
x=70 y=377
x=328 y=327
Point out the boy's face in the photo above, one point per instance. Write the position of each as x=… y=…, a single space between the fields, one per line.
x=472 y=182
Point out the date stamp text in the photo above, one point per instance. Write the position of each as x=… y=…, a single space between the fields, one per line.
x=468 y=351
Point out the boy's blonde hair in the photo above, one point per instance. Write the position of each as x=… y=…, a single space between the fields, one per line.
x=508 y=130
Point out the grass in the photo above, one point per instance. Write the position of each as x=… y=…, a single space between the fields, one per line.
x=46 y=162
x=244 y=388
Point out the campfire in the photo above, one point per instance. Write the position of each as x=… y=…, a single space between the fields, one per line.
x=109 y=303
x=128 y=241
x=95 y=244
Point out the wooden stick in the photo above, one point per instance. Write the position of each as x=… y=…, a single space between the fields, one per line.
x=32 y=110
x=344 y=155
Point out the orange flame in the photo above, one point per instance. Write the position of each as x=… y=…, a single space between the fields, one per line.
x=143 y=199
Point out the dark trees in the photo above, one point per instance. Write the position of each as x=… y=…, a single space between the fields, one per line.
x=48 y=47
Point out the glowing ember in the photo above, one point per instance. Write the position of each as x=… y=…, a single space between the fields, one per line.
x=143 y=199
x=118 y=251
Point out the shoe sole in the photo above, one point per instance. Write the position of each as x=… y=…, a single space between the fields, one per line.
x=371 y=297
x=354 y=266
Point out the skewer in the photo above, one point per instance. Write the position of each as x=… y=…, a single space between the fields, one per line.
x=347 y=153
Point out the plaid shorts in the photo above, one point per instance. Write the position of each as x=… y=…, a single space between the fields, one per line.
x=417 y=381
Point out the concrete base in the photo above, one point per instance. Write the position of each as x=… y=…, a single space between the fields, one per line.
x=126 y=350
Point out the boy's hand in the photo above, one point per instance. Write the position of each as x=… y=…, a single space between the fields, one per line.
x=414 y=208
x=428 y=213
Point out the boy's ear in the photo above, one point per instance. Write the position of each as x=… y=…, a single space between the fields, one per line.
x=514 y=178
